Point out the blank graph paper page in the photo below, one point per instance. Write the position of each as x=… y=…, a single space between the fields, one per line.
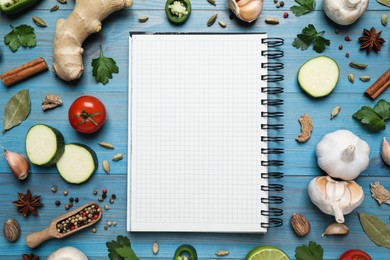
x=195 y=133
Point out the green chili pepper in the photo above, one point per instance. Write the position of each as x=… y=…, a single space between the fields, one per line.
x=15 y=6
x=185 y=251
x=178 y=11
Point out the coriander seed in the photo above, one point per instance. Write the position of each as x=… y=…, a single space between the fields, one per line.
x=109 y=223
x=67 y=206
x=54 y=188
x=114 y=223
x=106 y=207
x=95 y=192
x=93 y=230
x=112 y=201
x=65 y=192
x=100 y=198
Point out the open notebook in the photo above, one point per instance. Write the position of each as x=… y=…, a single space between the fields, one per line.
x=195 y=128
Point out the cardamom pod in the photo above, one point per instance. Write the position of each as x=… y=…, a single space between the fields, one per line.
x=106 y=166
x=222 y=24
x=384 y=20
x=212 y=2
x=365 y=78
x=351 y=78
x=106 y=145
x=356 y=65
x=54 y=8
x=271 y=20
x=222 y=253
x=39 y=21
x=335 y=112
x=62 y=1
x=155 y=248
x=117 y=157
x=143 y=19
x=212 y=20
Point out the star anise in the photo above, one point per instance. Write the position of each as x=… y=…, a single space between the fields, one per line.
x=30 y=257
x=371 y=40
x=27 y=203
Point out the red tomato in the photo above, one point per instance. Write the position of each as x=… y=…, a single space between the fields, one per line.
x=87 y=114
x=355 y=254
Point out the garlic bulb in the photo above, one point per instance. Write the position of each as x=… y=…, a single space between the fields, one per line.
x=341 y=154
x=246 y=10
x=336 y=198
x=344 y=12
x=385 y=151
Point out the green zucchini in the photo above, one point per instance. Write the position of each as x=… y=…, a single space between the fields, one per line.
x=44 y=145
x=78 y=163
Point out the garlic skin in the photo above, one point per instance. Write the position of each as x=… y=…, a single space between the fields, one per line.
x=344 y=12
x=336 y=198
x=385 y=151
x=246 y=10
x=342 y=154
x=18 y=164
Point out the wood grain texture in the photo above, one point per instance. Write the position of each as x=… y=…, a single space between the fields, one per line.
x=300 y=161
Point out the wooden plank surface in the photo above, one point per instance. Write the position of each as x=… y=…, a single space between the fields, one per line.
x=300 y=162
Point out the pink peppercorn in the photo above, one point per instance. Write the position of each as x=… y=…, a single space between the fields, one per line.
x=285 y=15
x=340 y=47
x=347 y=38
x=104 y=191
x=347 y=55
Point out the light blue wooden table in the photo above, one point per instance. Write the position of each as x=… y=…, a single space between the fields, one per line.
x=300 y=162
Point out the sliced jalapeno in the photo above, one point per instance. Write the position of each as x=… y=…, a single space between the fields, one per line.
x=185 y=252
x=178 y=11
x=15 y=6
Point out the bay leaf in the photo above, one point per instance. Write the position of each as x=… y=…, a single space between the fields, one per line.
x=377 y=230
x=384 y=2
x=17 y=109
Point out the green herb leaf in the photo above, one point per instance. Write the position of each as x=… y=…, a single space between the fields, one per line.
x=103 y=68
x=17 y=109
x=126 y=252
x=377 y=230
x=308 y=36
x=313 y=251
x=304 y=7
x=384 y=2
x=120 y=249
x=23 y=35
x=374 y=119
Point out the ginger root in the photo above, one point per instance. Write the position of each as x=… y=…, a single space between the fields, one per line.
x=70 y=34
x=306 y=128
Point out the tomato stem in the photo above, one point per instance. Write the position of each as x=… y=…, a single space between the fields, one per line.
x=87 y=117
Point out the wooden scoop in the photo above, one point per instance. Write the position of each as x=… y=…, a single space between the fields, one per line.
x=52 y=231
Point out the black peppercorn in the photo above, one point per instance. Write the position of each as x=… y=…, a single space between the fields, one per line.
x=71 y=199
x=113 y=196
x=76 y=200
x=104 y=195
x=58 y=203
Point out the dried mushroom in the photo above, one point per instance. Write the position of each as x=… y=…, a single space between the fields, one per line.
x=379 y=193
x=51 y=101
x=306 y=128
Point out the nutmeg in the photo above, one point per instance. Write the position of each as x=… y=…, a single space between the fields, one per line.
x=11 y=230
x=300 y=224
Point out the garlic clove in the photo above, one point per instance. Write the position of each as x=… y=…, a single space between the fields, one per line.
x=385 y=151
x=18 y=164
x=246 y=10
x=336 y=229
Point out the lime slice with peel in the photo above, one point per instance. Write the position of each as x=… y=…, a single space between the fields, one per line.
x=266 y=253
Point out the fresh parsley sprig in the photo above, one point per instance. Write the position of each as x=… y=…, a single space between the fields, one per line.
x=313 y=251
x=304 y=7
x=121 y=249
x=308 y=36
x=22 y=35
x=103 y=68
x=374 y=118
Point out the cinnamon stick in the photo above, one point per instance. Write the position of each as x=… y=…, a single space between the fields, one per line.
x=23 y=72
x=380 y=85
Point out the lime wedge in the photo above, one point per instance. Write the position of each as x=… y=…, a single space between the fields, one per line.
x=266 y=253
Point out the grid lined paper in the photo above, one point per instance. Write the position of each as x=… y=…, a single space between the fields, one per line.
x=196 y=132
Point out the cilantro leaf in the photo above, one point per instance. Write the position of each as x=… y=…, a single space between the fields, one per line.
x=126 y=252
x=103 y=68
x=120 y=249
x=370 y=119
x=23 y=35
x=308 y=36
x=313 y=251
x=304 y=7
x=383 y=109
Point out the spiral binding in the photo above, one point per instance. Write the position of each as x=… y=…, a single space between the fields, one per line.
x=272 y=77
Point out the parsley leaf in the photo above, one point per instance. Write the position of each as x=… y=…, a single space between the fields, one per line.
x=311 y=252
x=374 y=119
x=308 y=36
x=103 y=68
x=23 y=35
x=304 y=7
x=121 y=249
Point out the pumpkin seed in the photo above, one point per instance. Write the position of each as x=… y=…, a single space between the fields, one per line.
x=222 y=252
x=351 y=78
x=335 y=112
x=377 y=230
x=271 y=20
x=212 y=19
x=106 y=145
x=143 y=19
x=384 y=20
x=106 y=166
x=39 y=21
x=222 y=24
x=356 y=65
x=155 y=248
x=54 y=8
x=365 y=78
x=117 y=157
x=212 y=2
x=62 y=1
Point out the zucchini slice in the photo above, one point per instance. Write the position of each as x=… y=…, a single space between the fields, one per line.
x=44 y=145
x=77 y=164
